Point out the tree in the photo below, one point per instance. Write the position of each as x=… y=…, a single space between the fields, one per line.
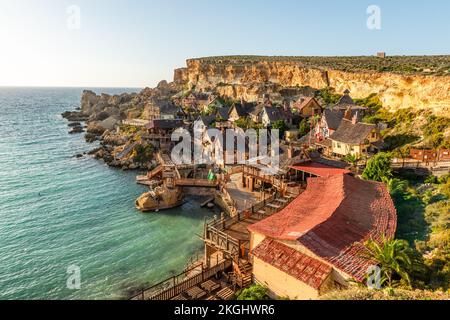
x=396 y=186
x=281 y=126
x=243 y=123
x=378 y=168
x=255 y=292
x=351 y=159
x=304 y=128
x=393 y=258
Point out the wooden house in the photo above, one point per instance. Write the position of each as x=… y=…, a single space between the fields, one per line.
x=159 y=133
x=308 y=107
x=355 y=138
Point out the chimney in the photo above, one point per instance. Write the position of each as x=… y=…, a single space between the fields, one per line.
x=290 y=152
x=355 y=118
x=348 y=114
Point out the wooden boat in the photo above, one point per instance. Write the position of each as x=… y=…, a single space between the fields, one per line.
x=160 y=198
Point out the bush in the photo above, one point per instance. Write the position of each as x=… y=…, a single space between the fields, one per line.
x=378 y=168
x=445 y=189
x=388 y=294
x=329 y=96
x=143 y=154
x=281 y=126
x=255 y=292
x=304 y=128
x=372 y=102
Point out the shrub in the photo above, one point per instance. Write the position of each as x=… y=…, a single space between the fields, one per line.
x=143 y=154
x=378 y=168
x=255 y=292
x=329 y=96
x=304 y=128
x=281 y=126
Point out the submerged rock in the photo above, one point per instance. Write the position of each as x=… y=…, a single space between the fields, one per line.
x=76 y=130
x=75 y=116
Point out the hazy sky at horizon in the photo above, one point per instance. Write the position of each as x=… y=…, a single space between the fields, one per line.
x=137 y=43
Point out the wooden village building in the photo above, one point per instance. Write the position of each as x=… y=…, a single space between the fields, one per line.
x=159 y=133
x=161 y=110
x=355 y=138
x=308 y=107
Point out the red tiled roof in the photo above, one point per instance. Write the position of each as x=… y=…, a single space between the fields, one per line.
x=298 y=265
x=333 y=218
x=320 y=170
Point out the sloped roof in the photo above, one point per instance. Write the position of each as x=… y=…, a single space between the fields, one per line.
x=333 y=117
x=350 y=133
x=164 y=124
x=207 y=120
x=273 y=113
x=243 y=109
x=169 y=109
x=306 y=102
x=346 y=99
x=306 y=269
x=333 y=218
x=223 y=112
x=319 y=169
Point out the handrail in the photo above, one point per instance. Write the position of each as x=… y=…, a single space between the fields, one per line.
x=253 y=209
x=175 y=289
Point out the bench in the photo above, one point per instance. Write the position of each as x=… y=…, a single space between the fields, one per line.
x=196 y=293
x=210 y=286
x=225 y=294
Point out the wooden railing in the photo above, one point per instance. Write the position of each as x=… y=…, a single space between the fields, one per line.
x=215 y=231
x=196 y=183
x=271 y=179
x=176 y=285
x=223 y=241
x=224 y=223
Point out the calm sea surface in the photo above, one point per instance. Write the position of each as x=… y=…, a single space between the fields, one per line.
x=57 y=210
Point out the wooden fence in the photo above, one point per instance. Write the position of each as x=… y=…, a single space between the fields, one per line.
x=178 y=284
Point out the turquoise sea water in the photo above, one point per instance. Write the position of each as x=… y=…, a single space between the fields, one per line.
x=57 y=210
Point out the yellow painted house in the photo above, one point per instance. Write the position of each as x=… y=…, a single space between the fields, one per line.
x=355 y=138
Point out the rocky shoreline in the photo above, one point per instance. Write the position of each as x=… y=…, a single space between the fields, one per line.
x=99 y=118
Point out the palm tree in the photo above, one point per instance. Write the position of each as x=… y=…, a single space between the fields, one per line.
x=396 y=186
x=392 y=257
x=351 y=159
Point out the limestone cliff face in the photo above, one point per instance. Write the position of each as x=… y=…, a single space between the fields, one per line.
x=250 y=79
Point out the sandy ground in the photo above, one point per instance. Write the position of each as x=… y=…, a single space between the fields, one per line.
x=243 y=197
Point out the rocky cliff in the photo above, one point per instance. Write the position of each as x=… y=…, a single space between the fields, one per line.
x=249 y=79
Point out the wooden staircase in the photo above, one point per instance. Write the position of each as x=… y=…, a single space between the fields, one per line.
x=242 y=274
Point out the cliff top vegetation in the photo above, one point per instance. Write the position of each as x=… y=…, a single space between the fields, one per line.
x=425 y=65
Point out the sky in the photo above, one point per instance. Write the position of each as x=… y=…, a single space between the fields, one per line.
x=137 y=43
